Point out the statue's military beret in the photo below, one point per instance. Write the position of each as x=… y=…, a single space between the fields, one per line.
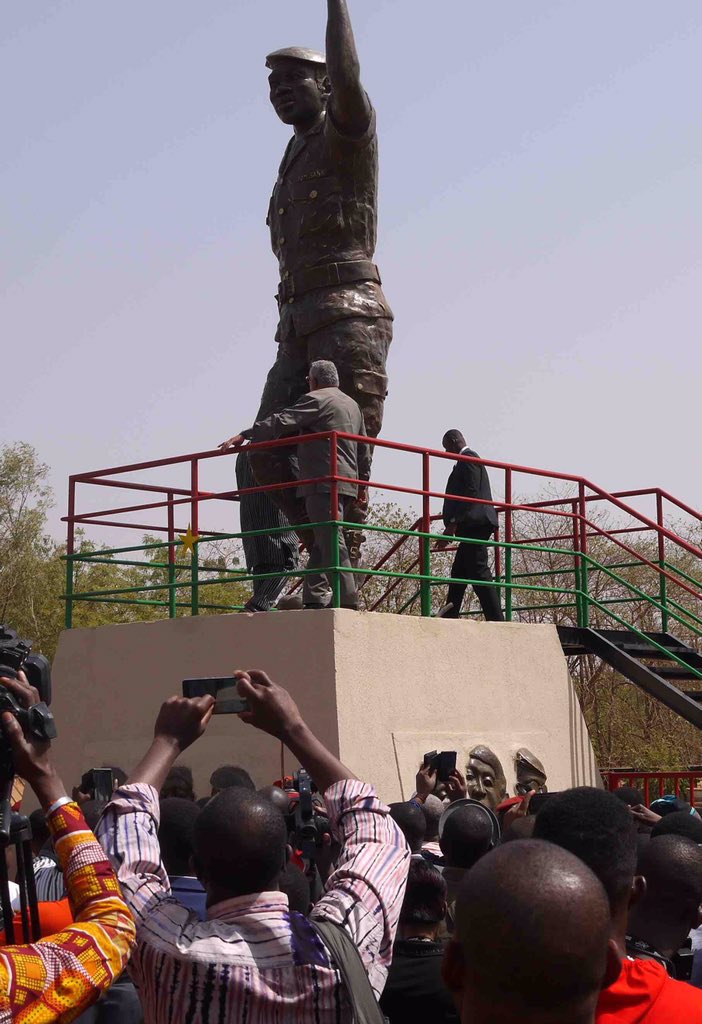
x=296 y=53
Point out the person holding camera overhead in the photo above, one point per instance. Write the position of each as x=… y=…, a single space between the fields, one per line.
x=253 y=958
x=57 y=977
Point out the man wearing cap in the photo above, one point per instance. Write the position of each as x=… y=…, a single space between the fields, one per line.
x=323 y=219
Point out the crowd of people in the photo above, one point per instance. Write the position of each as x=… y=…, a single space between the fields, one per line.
x=247 y=905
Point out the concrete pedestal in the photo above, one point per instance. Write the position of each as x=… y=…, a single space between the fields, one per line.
x=379 y=689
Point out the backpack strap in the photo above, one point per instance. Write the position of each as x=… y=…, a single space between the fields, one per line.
x=348 y=960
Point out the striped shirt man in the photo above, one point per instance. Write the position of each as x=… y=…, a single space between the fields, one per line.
x=253 y=959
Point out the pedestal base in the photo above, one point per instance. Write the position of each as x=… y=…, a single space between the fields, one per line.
x=379 y=689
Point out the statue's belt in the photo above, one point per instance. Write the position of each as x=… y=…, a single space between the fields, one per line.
x=326 y=276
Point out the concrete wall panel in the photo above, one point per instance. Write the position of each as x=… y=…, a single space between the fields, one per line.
x=379 y=689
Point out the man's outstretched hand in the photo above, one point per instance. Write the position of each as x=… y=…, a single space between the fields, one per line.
x=456 y=787
x=232 y=442
x=182 y=720
x=271 y=708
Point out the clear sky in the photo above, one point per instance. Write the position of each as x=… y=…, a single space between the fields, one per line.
x=540 y=226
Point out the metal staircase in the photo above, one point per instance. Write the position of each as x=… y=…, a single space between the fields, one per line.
x=656 y=662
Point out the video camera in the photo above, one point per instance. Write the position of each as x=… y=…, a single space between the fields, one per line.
x=306 y=828
x=36 y=721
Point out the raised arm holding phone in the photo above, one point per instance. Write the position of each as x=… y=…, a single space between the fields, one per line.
x=224 y=966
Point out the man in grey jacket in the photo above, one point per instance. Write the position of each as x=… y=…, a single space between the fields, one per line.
x=323 y=409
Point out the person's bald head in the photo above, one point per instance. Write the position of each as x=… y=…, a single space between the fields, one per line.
x=468 y=835
x=411 y=822
x=277 y=796
x=432 y=808
x=531 y=942
x=670 y=904
x=453 y=441
x=239 y=845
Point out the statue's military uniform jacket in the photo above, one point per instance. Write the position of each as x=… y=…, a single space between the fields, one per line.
x=323 y=222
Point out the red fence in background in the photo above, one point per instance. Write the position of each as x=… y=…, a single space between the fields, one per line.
x=684 y=784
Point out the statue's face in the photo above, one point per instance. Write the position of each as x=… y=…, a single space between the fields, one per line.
x=528 y=781
x=295 y=92
x=483 y=785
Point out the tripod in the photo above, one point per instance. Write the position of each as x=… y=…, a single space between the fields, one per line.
x=20 y=838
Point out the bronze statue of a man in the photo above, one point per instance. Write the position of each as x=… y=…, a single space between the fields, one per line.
x=323 y=219
x=485 y=777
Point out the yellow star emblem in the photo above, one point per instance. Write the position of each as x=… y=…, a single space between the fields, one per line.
x=188 y=540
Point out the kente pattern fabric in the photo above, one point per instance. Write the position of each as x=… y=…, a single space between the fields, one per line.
x=56 y=978
x=254 y=960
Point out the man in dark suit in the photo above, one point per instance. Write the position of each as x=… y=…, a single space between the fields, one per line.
x=471 y=521
x=324 y=408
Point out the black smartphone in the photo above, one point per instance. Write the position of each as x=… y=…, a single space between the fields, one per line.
x=443 y=762
x=222 y=688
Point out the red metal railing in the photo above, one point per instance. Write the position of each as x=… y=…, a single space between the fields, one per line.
x=687 y=785
x=573 y=527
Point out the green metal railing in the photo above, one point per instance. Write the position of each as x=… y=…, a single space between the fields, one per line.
x=576 y=597
x=567 y=591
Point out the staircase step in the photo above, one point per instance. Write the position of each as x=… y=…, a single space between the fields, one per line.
x=674 y=672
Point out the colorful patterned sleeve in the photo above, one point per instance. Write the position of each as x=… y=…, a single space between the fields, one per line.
x=364 y=893
x=57 y=978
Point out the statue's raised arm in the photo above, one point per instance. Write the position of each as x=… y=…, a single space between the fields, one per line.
x=349 y=104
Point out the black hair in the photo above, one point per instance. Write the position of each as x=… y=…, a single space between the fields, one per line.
x=412 y=823
x=632 y=797
x=598 y=828
x=672 y=867
x=239 y=841
x=467 y=836
x=296 y=887
x=425 y=896
x=179 y=783
x=91 y=811
x=665 y=805
x=39 y=827
x=231 y=775
x=681 y=823
x=175 y=834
